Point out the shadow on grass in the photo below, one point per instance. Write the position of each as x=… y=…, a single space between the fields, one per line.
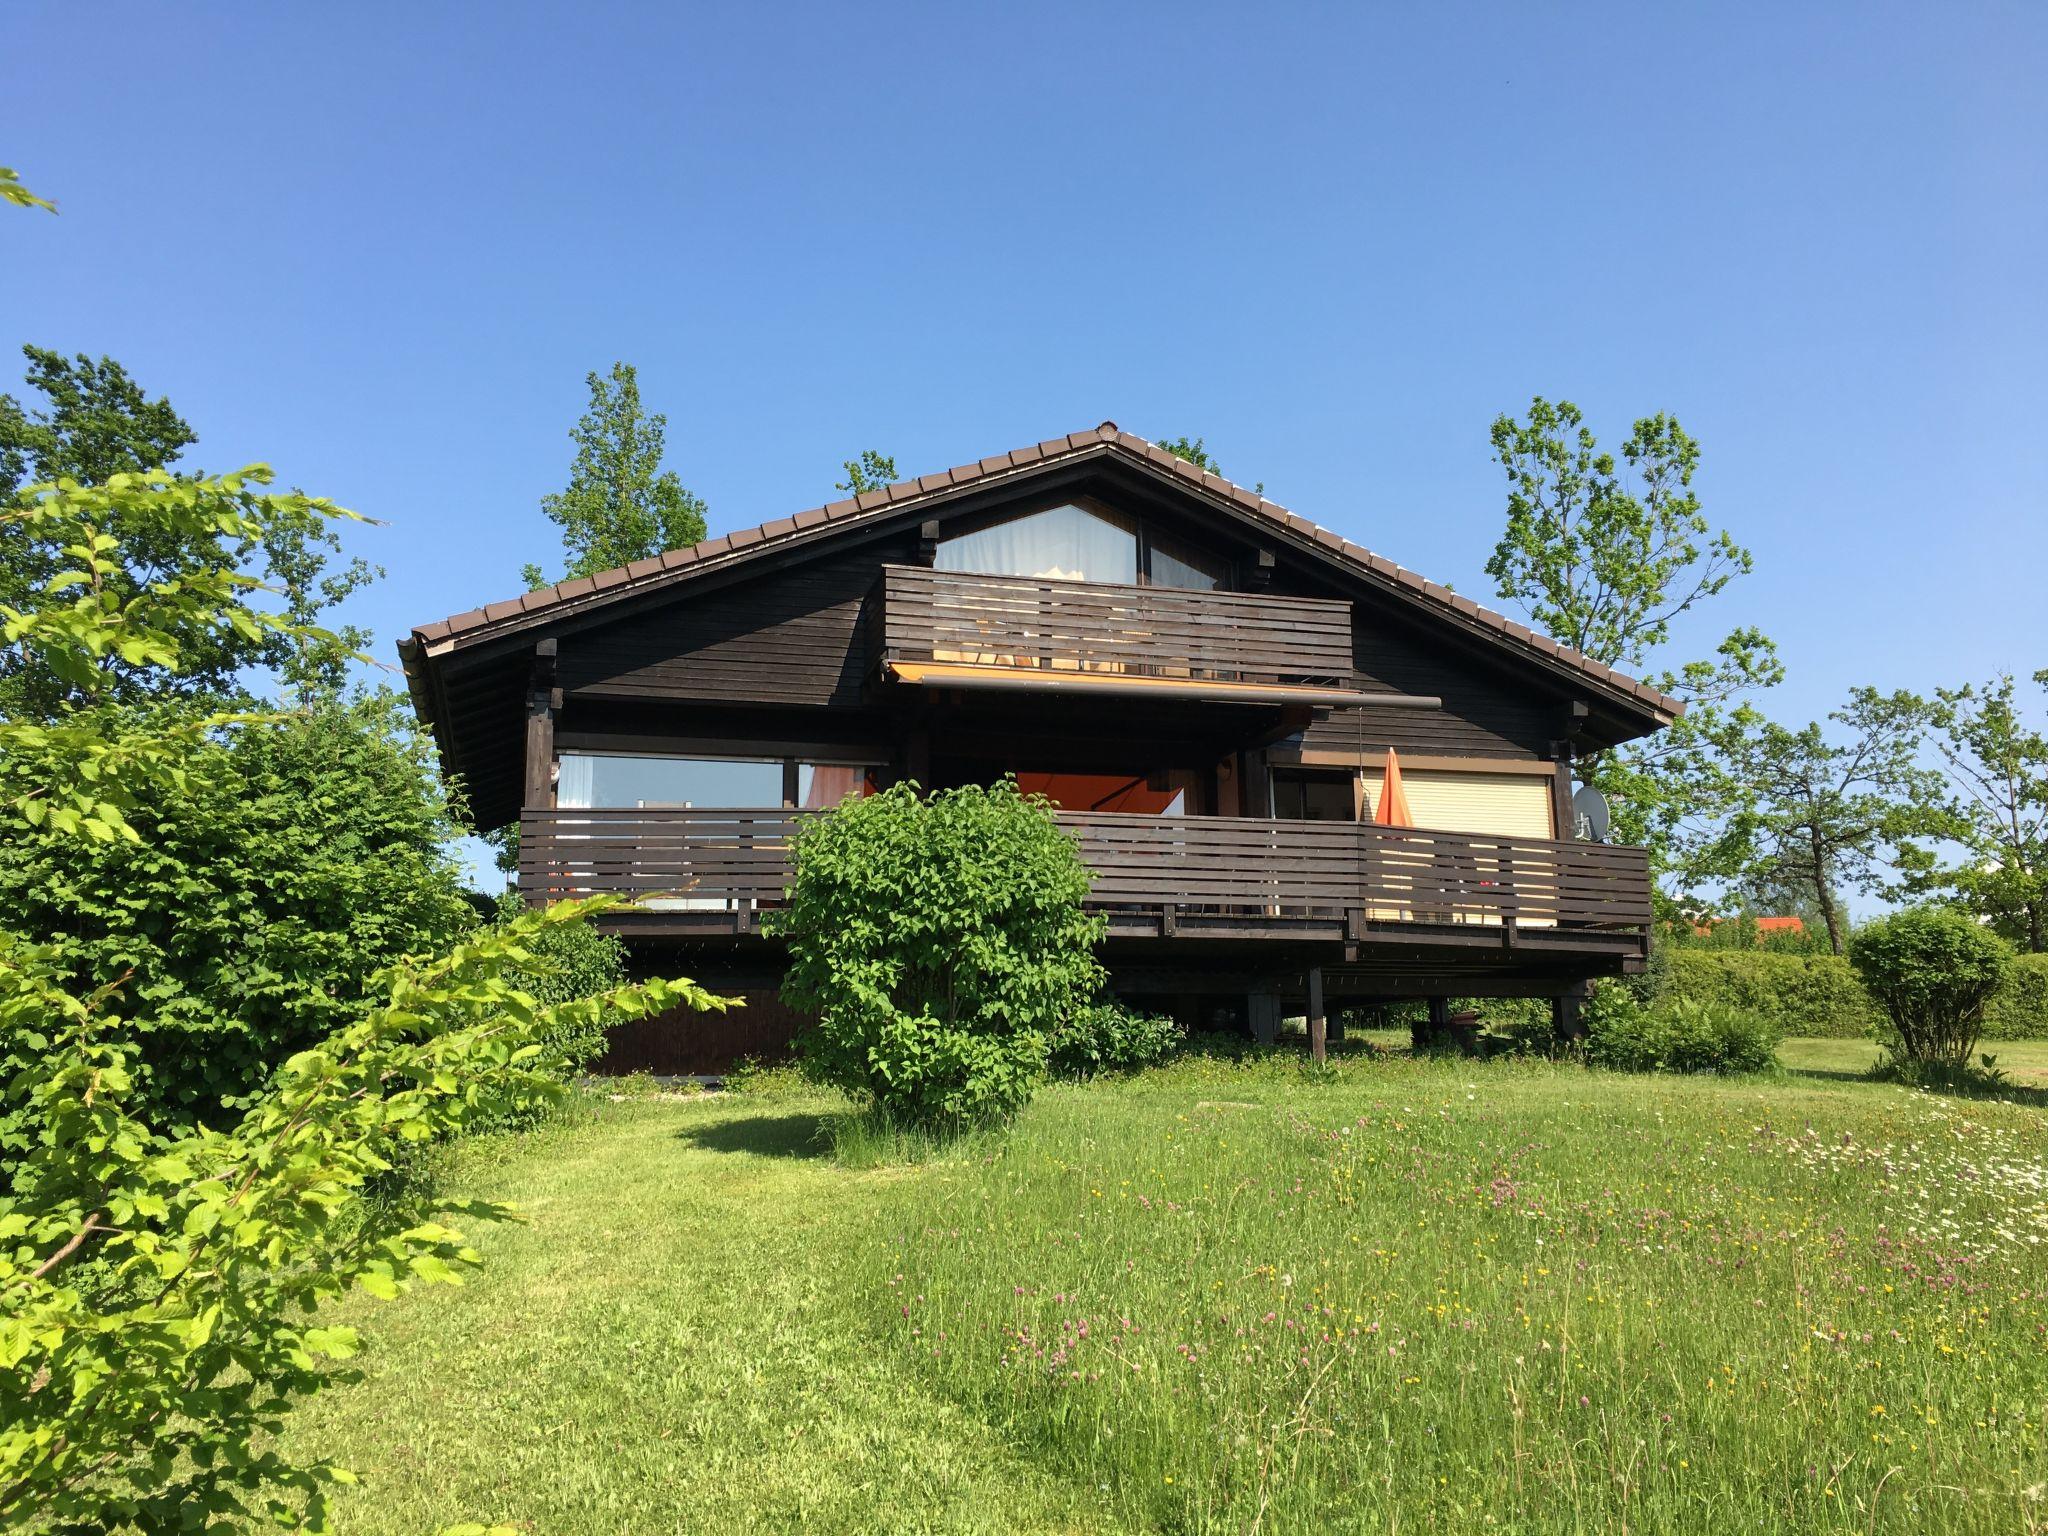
x=1831 y=1074
x=765 y=1135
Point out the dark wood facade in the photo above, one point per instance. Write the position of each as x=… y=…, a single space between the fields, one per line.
x=845 y=643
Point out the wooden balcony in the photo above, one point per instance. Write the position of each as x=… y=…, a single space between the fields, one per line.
x=1098 y=630
x=710 y=872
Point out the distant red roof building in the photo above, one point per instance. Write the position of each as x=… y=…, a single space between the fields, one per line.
x=1764 y=925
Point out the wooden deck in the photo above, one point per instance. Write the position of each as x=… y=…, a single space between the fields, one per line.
x=930 y=615
x=716 y=871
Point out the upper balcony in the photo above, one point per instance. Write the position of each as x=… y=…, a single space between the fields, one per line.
x=958 y=629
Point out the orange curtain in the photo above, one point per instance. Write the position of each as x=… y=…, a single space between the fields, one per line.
x=1392 y=811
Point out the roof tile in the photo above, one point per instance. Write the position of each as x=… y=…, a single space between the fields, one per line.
x=812 y=518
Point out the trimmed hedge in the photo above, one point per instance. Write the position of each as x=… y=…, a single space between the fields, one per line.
x=1820 y=995
x=2020 y=1010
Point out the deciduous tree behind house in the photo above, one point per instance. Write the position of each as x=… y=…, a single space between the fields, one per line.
x=1833 y=808
x=1606 y=556
x=620 y=505
x=1998 y=777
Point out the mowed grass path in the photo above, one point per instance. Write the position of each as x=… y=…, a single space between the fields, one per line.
x=1418 y=1296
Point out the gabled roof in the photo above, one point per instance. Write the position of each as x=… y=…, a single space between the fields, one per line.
x=569 y=598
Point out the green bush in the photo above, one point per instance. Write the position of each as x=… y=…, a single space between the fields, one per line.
x=939 y=942
x=1680 y=1035
x=1107 y=1036
x=1934 y=973
x=267 y=884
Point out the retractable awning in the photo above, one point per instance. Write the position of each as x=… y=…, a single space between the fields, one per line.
x=948 y=674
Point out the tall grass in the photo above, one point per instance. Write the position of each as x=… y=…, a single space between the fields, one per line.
x=1453 y=1298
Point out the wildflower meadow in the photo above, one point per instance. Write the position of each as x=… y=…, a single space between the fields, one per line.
x=1216 y=1298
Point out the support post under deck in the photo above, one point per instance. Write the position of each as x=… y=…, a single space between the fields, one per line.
x=1318 y=1025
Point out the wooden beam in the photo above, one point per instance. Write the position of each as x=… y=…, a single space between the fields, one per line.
x=1318 y=1025
x=542 y=699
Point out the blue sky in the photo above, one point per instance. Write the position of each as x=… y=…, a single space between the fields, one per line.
x=380 y=247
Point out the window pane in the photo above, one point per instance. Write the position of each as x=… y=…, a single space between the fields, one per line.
x=592 y=779
x=1063 y=543
x=1312 y=796
x=819 y=785
x=1175 y=564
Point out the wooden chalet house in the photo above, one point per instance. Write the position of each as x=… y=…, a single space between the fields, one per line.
x=1206 y=685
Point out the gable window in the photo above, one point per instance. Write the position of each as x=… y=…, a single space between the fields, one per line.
x=1082 y=542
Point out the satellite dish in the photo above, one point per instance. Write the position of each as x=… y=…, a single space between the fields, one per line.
x=1589 y=815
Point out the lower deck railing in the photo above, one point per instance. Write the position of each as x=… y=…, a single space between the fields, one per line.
x=737 y=861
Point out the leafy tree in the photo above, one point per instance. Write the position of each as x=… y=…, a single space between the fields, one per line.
x=274 y=876
x=157 y=1287
x=1933 y=973
x=96 y=422
x=1827 y=808
x=941 y=943
x=872 y=471
x=1998 y=770
x=1606 y=556
x=620 y=505
x=1196 y=452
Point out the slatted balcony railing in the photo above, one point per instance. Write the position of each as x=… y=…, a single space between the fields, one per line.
x=1083 y=626
x=736 y=863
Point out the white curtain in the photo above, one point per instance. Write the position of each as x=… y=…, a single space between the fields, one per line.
x=576 y=788
x=1064 y=543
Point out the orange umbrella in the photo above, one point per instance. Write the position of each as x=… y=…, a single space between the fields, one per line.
x=1392 y=811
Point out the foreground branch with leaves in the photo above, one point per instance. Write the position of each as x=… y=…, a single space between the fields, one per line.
x=159 y=1287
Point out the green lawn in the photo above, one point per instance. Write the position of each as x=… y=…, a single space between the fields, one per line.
x=1412 y=1296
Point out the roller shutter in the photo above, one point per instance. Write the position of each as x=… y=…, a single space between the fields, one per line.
x=1485 y=804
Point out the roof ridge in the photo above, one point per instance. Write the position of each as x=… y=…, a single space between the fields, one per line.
x=1107 y=434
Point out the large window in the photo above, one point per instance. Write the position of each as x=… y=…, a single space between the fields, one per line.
x=1082 y=543
x=615 y=779
x=649 y=782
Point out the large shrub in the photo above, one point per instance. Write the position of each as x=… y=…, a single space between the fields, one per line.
x=1680 y=1035
x=939 y=941
x=1933 y=973
x=1110 y=1036
x=267 y=883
